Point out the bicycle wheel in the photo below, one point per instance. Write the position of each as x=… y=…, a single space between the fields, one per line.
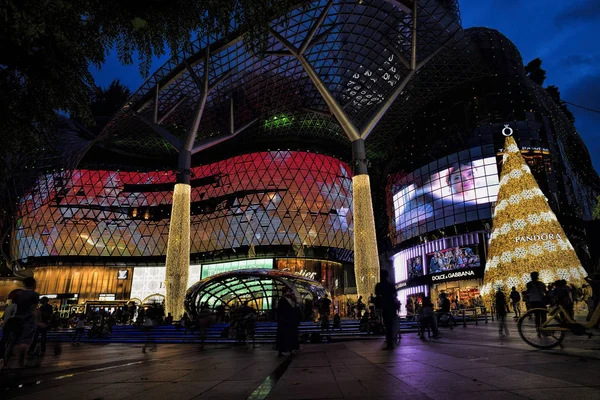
x=541 y=339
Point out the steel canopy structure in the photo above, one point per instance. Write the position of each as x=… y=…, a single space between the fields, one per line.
x=363 y=53
x=341 y=65
x=261 y=288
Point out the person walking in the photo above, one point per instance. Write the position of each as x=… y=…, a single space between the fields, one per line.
x=27 y=300
x=501 y=312
x=385 y=300
x=11 y=327
x=79 y=329
x=536 y=292
x=41 y=334
x=360 y=306
x=288 y=320
x=515 y=299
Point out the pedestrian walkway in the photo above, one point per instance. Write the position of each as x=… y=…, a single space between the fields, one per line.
x=465 y=363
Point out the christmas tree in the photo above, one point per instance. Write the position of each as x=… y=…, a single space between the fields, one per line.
x=526 y=235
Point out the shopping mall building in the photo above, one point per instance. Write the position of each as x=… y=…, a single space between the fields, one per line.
x=391 y=89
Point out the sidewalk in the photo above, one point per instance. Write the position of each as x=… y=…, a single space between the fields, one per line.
x=466 y=362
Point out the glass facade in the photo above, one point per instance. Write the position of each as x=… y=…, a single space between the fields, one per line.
x=258 y=199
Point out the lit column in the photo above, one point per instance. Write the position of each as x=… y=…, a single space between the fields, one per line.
x=366 y=259
x=178 y=249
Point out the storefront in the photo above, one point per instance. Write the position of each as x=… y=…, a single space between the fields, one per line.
x=71 y=285
x=462 y=289
x=453 y=265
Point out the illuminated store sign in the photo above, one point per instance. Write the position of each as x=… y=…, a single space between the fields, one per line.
x=107 y=296
x=123 y=274
x=541 y=237
x=469 y=273
x=400 y=285
x=306 y=274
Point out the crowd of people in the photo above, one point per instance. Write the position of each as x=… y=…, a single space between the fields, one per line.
x=28 y=318
x=539 y=296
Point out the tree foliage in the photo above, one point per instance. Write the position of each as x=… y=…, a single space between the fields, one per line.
x=596 y=212
x=106 y=101
x=47 y=46
x=536 y=73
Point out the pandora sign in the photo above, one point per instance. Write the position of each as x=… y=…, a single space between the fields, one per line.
x=538 y=237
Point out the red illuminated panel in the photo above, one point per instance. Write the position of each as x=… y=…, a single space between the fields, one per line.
x=266 y=198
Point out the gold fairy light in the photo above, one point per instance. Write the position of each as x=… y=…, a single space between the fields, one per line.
x=178 y=251
x=366 y=259
x=526 y=234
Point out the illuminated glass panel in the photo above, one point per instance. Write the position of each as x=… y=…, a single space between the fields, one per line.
x=213 y=269
x=148 y=281
x=257 y=199
x=452 y=190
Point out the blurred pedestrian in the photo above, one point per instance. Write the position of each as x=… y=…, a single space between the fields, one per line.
x=501 y=312
x=386 y=301
x=536 y=296
x=79 y=329
x=515 y=299
x=288 y=320
x=46 y=314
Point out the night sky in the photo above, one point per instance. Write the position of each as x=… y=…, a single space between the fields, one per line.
x=564 y=34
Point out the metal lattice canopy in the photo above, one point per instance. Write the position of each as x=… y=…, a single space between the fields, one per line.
x=362 y=52
x=261 y=288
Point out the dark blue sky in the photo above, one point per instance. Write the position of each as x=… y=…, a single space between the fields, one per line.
x=564 y=34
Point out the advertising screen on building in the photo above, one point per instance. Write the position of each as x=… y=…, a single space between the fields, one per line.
x=414 y=267
x=452 y=190
x=257 y=199
x=453 y=259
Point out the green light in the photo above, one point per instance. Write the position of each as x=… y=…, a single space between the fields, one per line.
x=278 y=121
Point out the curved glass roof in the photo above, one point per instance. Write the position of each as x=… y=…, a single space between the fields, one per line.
x=361 y=52
x=261 y=288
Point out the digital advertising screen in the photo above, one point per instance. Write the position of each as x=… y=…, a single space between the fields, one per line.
x=452 y=259
x=452 y=190
x=414 y=267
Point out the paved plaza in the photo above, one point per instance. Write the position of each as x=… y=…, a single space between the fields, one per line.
x=465 y=362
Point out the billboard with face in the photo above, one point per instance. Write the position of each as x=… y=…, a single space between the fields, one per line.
x=452 y=190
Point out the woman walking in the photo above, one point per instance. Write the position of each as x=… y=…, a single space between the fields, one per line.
x=501 y=312
x=288 y=319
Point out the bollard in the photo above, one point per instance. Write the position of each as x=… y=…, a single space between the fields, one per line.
x=476 y=319
x=464 y=320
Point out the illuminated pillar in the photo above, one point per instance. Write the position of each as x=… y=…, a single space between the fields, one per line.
x=366 y=259
x=178 y=250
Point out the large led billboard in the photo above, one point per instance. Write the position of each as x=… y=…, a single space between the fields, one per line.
x=257 y=199
x=452 y=190
x=453 y=258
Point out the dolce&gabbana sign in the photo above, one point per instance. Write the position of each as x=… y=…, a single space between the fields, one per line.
x=400 y=285
x=459 y=274
x=538 y=237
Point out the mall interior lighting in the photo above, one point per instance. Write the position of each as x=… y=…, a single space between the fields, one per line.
x=178 y=251
x=366 y=259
